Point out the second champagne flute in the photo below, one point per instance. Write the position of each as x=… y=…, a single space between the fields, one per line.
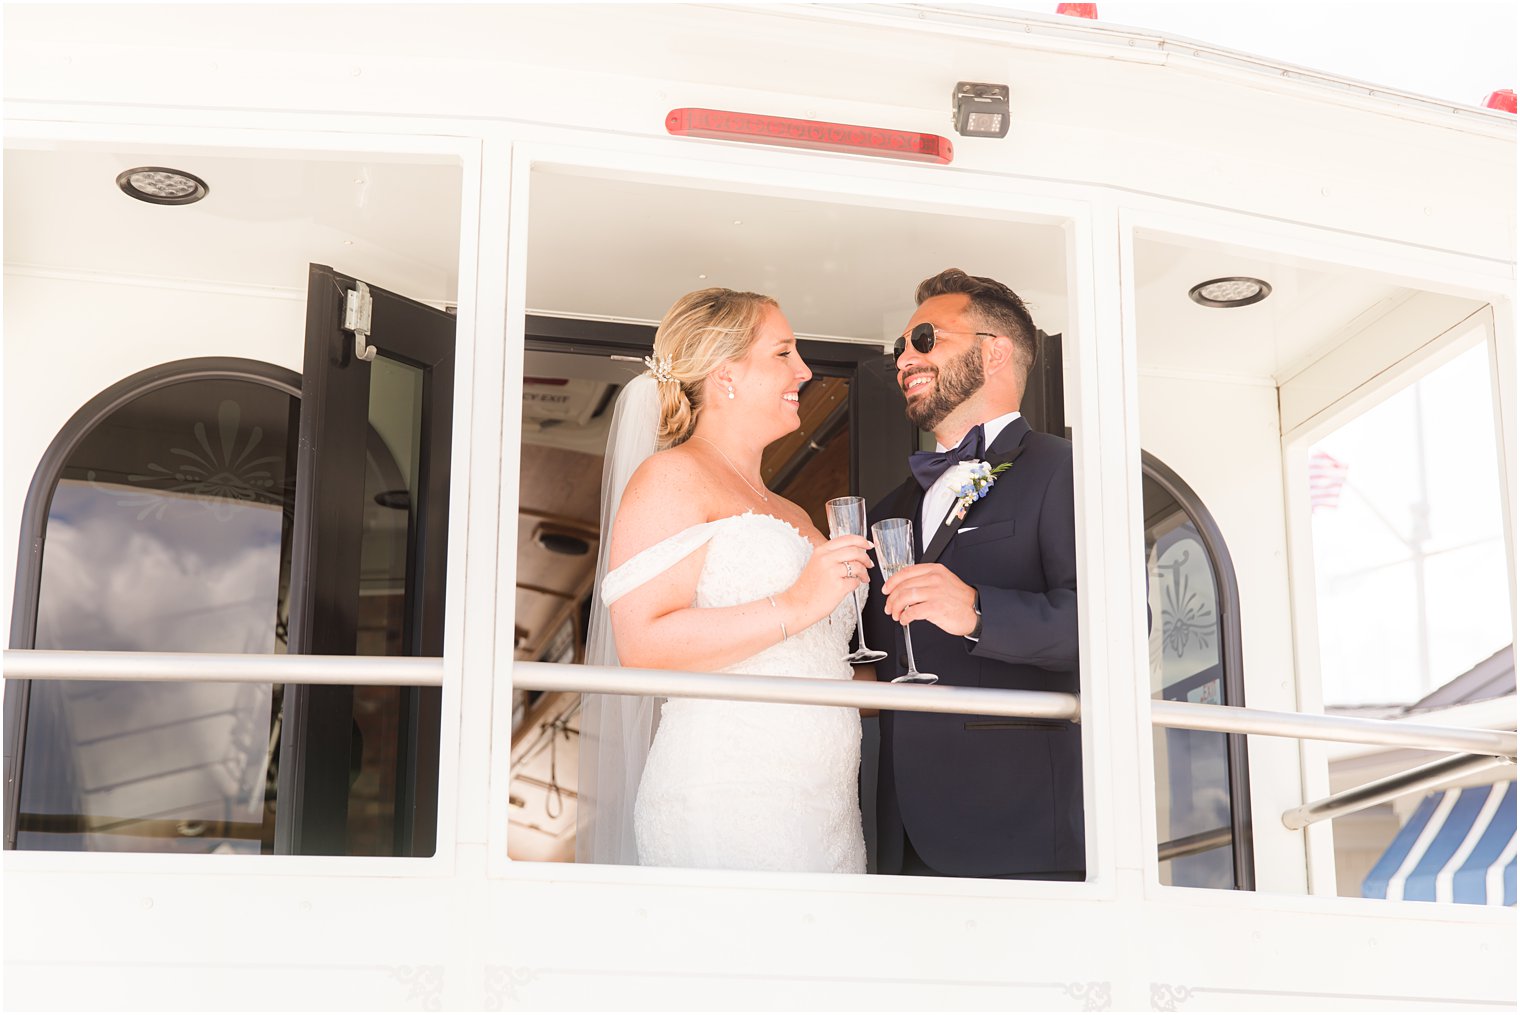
x=894 y=551
x=847 y=517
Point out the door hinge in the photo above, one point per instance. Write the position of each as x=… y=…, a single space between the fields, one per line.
x=356 y=318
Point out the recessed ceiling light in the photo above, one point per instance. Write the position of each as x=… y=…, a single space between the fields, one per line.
x=701 y=276
x=557 y=539
x=158 y=185
x=1236 y=291
x=400 y=500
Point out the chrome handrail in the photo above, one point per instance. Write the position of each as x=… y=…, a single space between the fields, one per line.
x=1344 y=729
x=224 y=668
x=1380 y=791
x=405 y=671
x=1192 y=845
x=797 y=691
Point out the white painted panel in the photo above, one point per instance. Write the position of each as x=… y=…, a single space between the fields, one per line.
x=553 y=942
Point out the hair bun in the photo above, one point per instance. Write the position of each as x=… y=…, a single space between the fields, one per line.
x=699 y=333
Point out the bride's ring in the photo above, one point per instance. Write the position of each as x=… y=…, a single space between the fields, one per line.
x=849 y=569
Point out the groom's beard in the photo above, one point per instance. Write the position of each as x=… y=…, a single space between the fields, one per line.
x=961 y=378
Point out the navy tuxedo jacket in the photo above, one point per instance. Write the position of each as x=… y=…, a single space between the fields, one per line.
x=982 y=795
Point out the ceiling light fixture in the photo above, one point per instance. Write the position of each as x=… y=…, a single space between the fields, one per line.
x=158 y=185
x=981 y=109
x=561 y=540
x=396 y=500
x=1235 y=291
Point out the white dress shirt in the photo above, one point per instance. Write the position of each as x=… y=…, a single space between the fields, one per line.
x=940 y=497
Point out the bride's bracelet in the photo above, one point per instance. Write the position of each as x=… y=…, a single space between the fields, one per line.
x=784 y=635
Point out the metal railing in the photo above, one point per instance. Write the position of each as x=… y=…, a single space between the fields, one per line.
x=1192 y=845
x=796 y=691
x=1340 y=728
x=224 y=668
x=1479 y=749
x=400 y=671
x=1437 y=773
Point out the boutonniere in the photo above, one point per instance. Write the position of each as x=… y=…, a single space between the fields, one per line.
x=971 y=481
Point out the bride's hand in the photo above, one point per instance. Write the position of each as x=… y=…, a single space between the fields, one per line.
x=835 y=569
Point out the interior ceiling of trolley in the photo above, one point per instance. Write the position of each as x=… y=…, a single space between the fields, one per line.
x=623 y=249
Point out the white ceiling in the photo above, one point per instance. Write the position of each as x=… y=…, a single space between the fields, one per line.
x=1309 y=309
x=624 y=249
x=619 y=248
x=264 y=219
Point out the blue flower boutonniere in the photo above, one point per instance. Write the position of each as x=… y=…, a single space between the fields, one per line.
x=971 y=481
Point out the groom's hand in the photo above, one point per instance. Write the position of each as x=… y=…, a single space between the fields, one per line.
x=931 y=592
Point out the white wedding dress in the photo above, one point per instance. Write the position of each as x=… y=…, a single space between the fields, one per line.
x=742 y=785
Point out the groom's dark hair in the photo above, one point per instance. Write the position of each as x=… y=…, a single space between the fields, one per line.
x=999 y=307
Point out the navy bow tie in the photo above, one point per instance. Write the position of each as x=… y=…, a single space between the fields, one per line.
x=928 y=466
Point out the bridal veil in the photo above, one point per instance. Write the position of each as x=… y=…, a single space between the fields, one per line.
x=615 y=729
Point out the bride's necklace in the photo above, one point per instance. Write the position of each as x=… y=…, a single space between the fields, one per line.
x=731 y=465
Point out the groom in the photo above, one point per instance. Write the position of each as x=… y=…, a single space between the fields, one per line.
x=994 y=604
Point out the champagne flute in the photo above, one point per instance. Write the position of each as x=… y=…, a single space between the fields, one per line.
x=847 y=517
x=894 y=551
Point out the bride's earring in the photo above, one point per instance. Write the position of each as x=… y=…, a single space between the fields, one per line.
x=730 y=391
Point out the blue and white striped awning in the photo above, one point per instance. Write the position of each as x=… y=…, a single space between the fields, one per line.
x=1459 y=846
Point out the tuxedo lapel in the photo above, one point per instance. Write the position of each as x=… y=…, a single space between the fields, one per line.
x=909 y=498
x=1008 y=446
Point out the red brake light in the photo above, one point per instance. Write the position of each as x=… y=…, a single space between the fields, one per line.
x=815 y=135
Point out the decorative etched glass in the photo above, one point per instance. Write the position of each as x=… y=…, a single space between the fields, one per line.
x=1193 y=806
x=168 y=531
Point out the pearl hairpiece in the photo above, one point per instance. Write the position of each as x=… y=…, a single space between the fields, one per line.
x=660 y=368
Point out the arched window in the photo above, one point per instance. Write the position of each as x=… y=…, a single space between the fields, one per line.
x=226 y=505
x=1203 y=810
x=160 y=520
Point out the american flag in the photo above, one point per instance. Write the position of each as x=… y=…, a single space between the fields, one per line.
x=1326 y=478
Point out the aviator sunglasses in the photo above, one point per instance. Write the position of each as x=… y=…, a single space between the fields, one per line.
x=923 y=336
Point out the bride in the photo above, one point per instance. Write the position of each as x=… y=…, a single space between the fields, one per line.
x=707 y=570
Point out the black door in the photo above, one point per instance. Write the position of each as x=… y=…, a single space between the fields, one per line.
x=358 y=766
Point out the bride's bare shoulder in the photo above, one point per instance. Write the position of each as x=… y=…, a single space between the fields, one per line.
x=665 y=494
x=669 y=472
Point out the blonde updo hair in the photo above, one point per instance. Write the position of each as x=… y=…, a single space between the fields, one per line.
x=700 y=332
